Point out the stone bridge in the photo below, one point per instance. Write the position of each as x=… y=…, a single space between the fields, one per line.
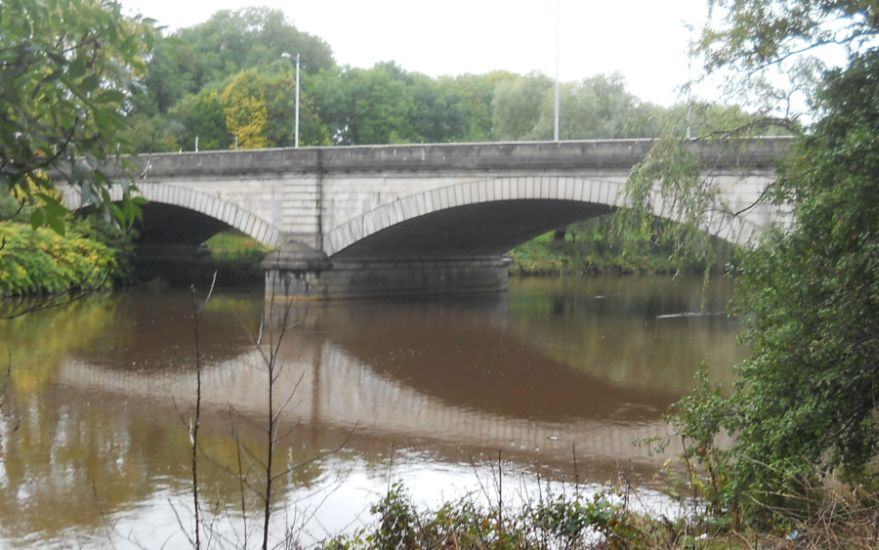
x=349 y=221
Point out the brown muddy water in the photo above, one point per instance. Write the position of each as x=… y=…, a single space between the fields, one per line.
x=94 y=444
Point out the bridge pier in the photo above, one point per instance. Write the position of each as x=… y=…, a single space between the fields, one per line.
x=296 y=272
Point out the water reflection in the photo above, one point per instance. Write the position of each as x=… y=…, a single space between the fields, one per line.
x=103 y=387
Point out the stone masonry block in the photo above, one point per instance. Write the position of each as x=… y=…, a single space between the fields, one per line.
x=483 y=190
x=459 y=195
x=497 y=190
x=251 y=223
x=399 y=211
x=554 y=188
x=467 y=192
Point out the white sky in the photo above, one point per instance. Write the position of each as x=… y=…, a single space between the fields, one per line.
x=644 y=40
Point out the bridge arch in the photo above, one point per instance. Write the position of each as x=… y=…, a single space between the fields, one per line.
x=546 y=201
x=202 y=203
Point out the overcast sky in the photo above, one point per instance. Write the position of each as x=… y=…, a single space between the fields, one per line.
x=644 y=40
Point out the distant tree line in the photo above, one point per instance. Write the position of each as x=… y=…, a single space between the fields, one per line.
x=226 y=82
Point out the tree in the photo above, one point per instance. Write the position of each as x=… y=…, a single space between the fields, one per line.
x=808 y=402
x=771 y=53
x=279 y=87
x=599 y=107
x=67 y=71
x=806 y=406
x=437 y=116
x=365 y=106
x=230 y=42
x=516 y=106
x=192 y=61
x=756 y=34
x=477 y=95
x=244 y=105
x=171 y=75
x=202 y=116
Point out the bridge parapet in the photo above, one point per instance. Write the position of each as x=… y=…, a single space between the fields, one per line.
x=537 y=155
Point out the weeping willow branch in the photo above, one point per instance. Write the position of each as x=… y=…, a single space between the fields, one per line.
x=669 y=184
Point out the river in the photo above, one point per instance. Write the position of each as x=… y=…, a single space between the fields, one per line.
x=556 y=378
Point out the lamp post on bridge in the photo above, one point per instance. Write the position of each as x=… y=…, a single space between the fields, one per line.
x=286 y=55
x=557 y=107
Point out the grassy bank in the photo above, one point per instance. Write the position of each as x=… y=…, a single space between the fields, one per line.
x=593 y=247
x=231 y=246
x=235 y=257
x=548 y=255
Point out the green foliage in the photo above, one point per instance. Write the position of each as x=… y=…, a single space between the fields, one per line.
x=598 y=108
x=569 y=523
x=598 y=246
x=41 y=261
x=517 y=104
x=397 y=524
x=171 y=76
x=365 y=106
x=280 y=88
x=808 y=401
x=67 y=70
x=207 y=54
x=438 y=116
x=155 y=134
x=247 y=114
x=558 y=522
x=189 y=66
x=12 y=209
x=382 y=104
x=699 y=419
x=233 y=246
x=119 y=242
x=757 y=33
x=476 y=93
x=772 y=53
x=671 y=175
x=202 y=116
x=805 y=406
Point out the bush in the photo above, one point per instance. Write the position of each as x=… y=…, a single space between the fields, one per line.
x=43 y=262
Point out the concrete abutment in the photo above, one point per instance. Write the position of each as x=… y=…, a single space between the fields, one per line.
x=348 y=279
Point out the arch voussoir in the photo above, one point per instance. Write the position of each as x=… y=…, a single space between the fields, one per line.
x=204 y=203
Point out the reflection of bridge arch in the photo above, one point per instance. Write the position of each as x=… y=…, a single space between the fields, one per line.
x=546 y=202
x=197 y=201
x=329 y=387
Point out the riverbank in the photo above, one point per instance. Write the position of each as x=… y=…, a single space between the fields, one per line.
x=90 y=257
x=546 y=256
x=602 y=520
x=593 y=247
x=609 y=518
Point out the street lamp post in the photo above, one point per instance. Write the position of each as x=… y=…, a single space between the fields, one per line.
x=557 y=109
x=286 y=55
